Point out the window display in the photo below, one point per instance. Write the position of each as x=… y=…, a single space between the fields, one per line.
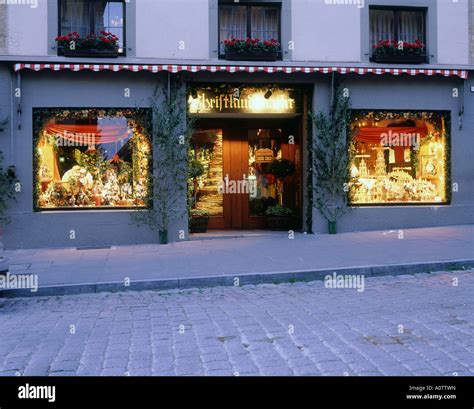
x=90 y=158
x=399 y=157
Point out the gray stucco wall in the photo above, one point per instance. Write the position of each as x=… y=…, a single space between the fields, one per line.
x=52 y=229
x=105 y=89
x=416 y=93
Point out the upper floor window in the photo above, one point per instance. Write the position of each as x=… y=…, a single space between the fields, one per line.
x=93 y=17
x=398 y=32
x=250 y=21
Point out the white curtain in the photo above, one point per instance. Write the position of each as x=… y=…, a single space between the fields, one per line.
x=411 y=26
x=265 y=22
x=101 y=17
x=232 y=23
x=382 y=26
x=75 y=17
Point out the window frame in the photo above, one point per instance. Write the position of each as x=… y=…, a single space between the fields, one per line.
x=397 y=10
x=91 y=20
x=248 y=5
x=147 y=111
x=448 y=158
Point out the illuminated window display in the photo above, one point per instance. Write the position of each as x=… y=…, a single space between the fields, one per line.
x=90 y=158
x=399 y=157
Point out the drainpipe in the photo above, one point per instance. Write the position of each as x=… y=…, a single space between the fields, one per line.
x=461 y=104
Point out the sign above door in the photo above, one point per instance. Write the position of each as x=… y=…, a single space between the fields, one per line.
x=230 y=99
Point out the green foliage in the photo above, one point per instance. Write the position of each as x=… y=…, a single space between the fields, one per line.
x=171 y=132
x=7 y=191
x=198 y=213
x=195 y=169
x=282 y=168
x=331 y=152
x=251 y=45
x=279 y=211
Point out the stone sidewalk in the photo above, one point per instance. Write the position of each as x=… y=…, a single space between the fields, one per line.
x=399 y=325
x=254 y=259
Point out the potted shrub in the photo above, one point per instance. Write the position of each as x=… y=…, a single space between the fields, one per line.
x=279 y=218
x=198 y=220
x=251 y=49
x=104 y=45
x=331 y=157
x=391 y=51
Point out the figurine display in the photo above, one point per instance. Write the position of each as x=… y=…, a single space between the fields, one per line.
x=94 y=181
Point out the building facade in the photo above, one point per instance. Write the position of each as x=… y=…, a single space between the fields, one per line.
x=78 y=106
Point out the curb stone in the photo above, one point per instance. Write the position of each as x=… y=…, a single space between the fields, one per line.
x=245 y=279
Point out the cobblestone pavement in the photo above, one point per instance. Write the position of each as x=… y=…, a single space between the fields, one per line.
x=418 y=325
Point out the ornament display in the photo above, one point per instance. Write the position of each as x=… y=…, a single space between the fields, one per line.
x=381 y=173
x=108 y=175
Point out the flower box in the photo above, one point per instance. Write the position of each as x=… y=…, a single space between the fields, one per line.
x=251 y=56
x=399 y=52
x=103 y=45
x=251 y=49
x=89 y=53
x=398 y=59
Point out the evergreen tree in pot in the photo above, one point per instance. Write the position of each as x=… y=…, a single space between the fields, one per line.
x=331 y=151
x=171 y=131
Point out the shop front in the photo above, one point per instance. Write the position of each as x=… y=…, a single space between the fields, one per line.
x=248 y=146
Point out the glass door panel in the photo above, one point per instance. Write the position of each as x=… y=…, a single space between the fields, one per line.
x=264 y=147
x=204 y=189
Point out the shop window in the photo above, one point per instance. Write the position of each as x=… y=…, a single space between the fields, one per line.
x=399 y=158
x=248 y=21
x=398 y=34
x=91 y=158
x=89 y=17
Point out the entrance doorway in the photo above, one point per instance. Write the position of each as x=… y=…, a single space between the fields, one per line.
x=239 y=180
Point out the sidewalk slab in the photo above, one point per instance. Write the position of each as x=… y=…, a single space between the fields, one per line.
x=253 y=259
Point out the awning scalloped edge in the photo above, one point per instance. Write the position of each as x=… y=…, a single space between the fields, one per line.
x=238 y=68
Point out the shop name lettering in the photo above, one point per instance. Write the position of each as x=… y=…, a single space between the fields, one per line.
x=37 y=392
x=17 y=281
x=408 y=139
x=223 y=102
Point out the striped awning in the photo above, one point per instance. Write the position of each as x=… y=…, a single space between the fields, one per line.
x=239 y=68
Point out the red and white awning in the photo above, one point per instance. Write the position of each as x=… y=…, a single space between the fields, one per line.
x=238 y=68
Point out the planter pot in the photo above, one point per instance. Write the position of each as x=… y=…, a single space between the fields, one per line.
x=251 y=56
x=198 y=224
x=280 y=222
x=399 y=59
x=332 y=227
x=89 y=53
x=163 y=235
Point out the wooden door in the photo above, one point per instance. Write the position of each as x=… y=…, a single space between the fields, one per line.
x=235 y=166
